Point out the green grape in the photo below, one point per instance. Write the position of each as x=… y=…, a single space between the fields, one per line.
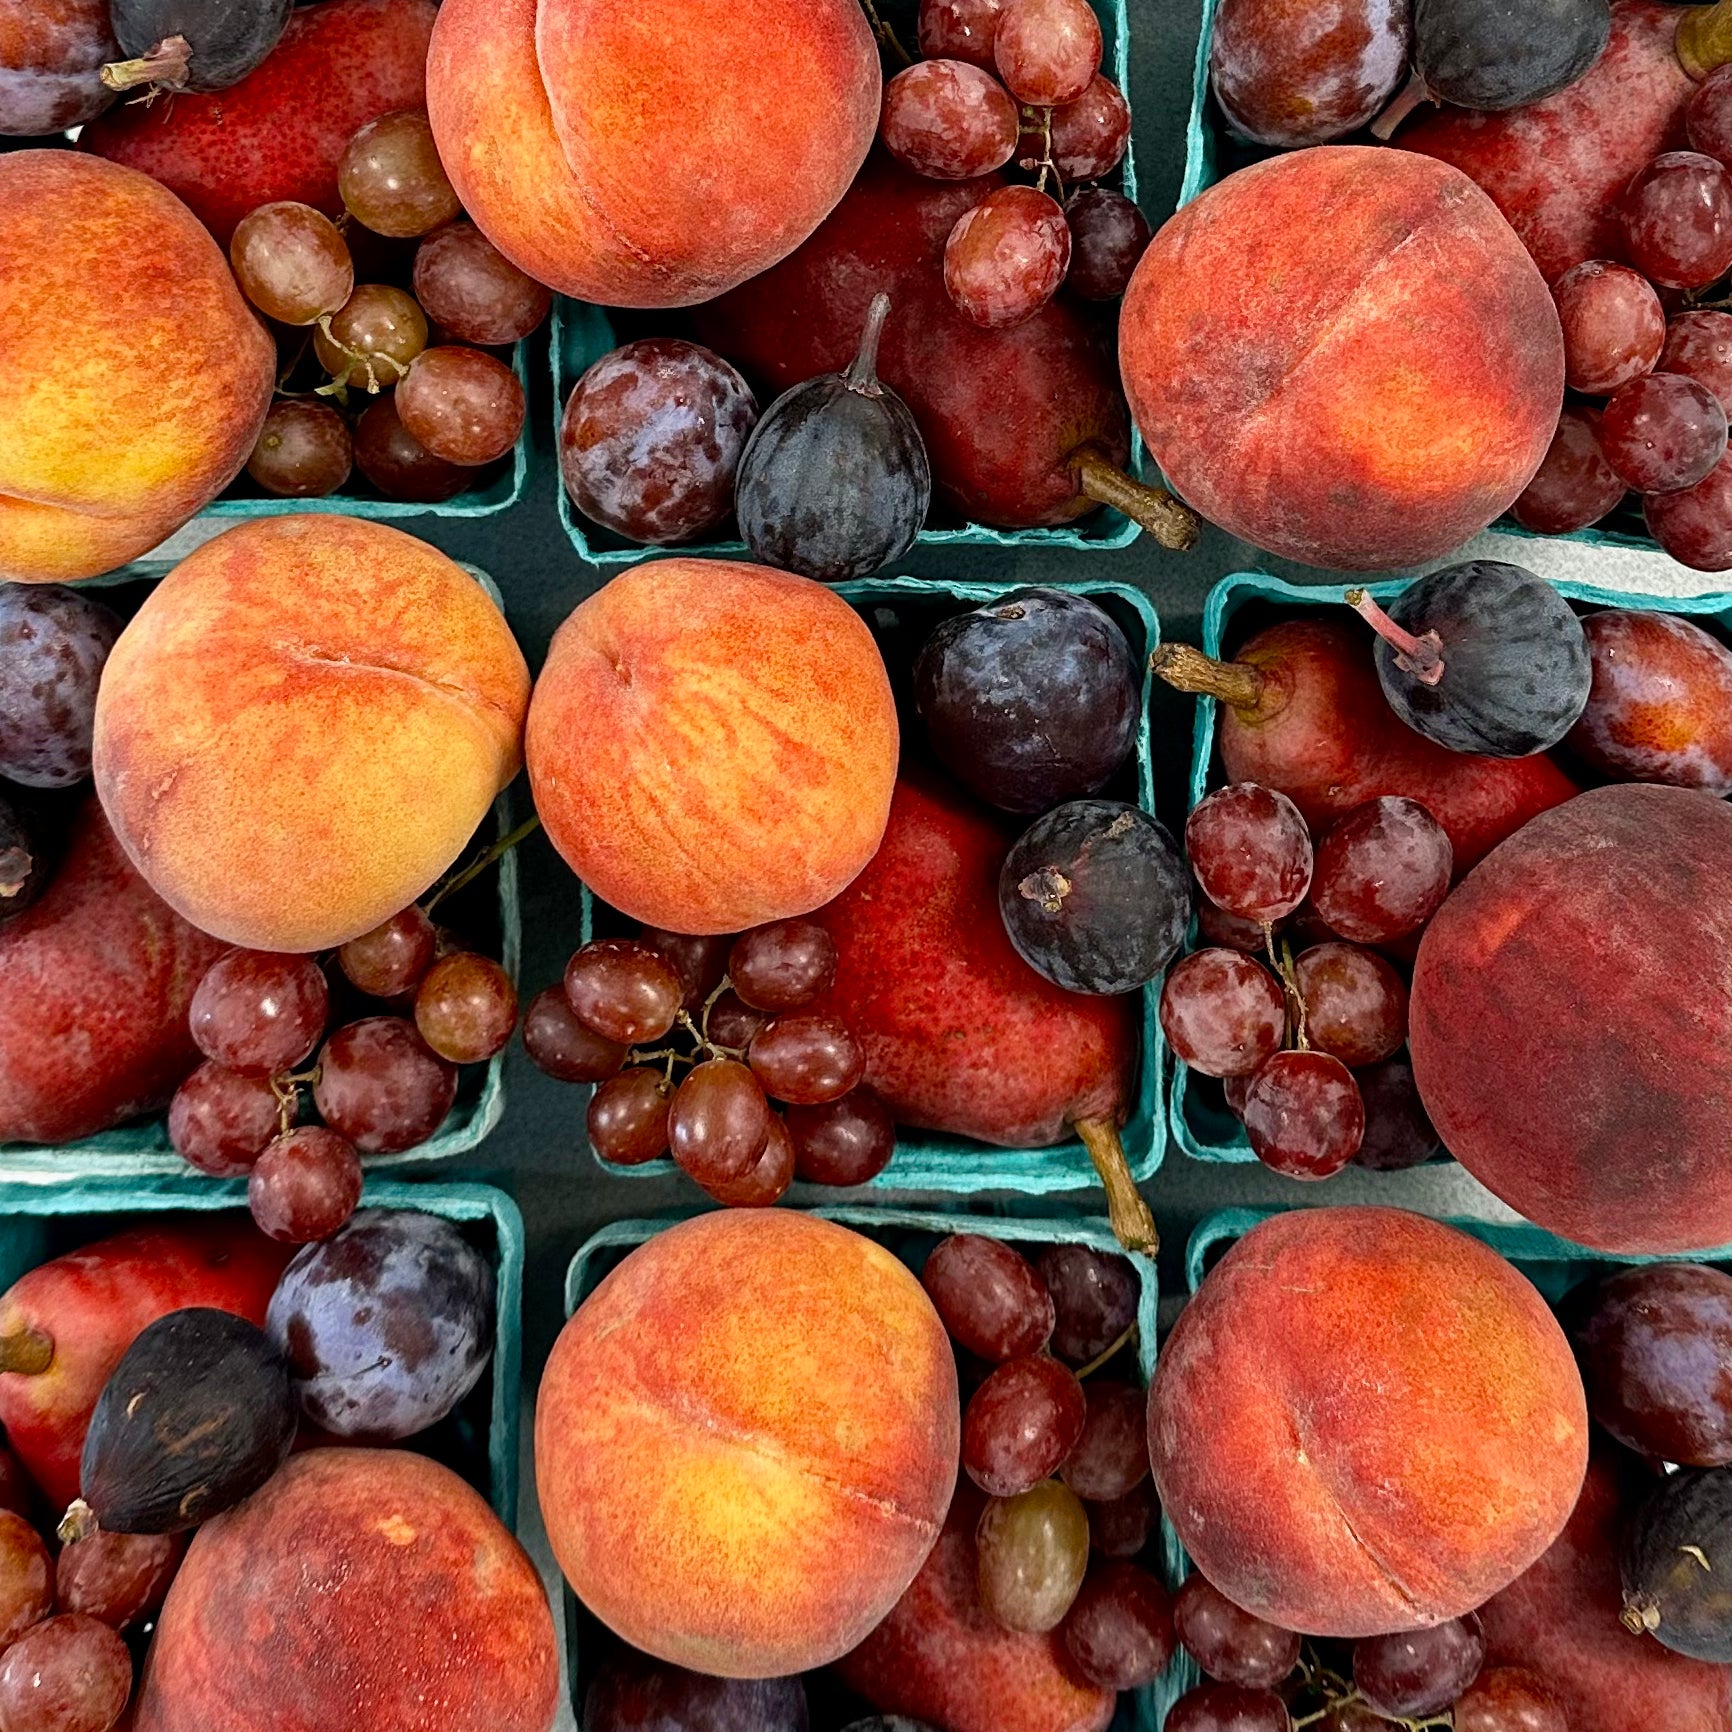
x=1034 y=1550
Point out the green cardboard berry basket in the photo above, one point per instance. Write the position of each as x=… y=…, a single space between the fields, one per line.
x=901 y=610
x=1199 y=1120
x=910 y=1234
x=38 y=1222
x=583 y=333
x=141 y=1147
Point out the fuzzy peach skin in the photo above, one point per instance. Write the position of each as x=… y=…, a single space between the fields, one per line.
x=651 y=156
x=302 y=727
x=1344 y=356
x=713 y=744
x=1365 y=1421
x=362 y=1590
x=746 y=1441
x=134 y=378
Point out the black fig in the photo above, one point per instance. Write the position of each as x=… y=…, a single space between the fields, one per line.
x=197 y=1416
x=1677 y=1564
x=1489 y=54
x=834 y=482
x=193 y=44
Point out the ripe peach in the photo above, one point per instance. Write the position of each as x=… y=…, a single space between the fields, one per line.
x=1344 y=356
x=136 y=378
x=651 y=157
x=360 y=1588
x=712 y=745
x=302 y=727
x=746 y=1440
x=1365 y=1421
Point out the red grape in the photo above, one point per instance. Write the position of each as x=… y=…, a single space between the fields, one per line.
x=260 y=1012
x=845 y=1142
x=1047 y=51
x=1419 y=1672
x=1094 y=1296
x=988 y=1297
x=371 y=339
x=220 y=1120
x=1020 y=1424
x=291 y=262
x=1614 y=326
x=70 y=1674
x=699 y=962
x=1677 y=220
x=1231 y=1645
x=1575 y=485
x=1228 y=1708
x=1663 y=432
x=26 y=1577
x=768 y=1177
x=624 y=990
x=1699 y=345
x=960 y=30
x=118 y=1578
x=1250 y=851
x=466 y=1007
x=382 y=1086
x=561 y=1046
x=732 y=1023
x=1230 y=930
x=718 y=1121
x=948 y=120
x=1121 y=1528
x=398 y=464
x=305 y=1185
x=1234 y=1089
x=1089 y=135
x=473 y=292
x=393 y=958
x=304 y=450
x=628 y=1117
x=1108 y=236
x=1007 y=256
x=1223 y=1012
x=1119 y=1630
x=782 y=966
x=1708 y=116
x=1398 y=1134
x=1508 y=1699
x=806 y=1059
x=1383 y=870
x=391 y=178
x=1304 y=1115
x=1355 y=1003
x=1112 y=1455
x=1694 y=525
x=461 y=404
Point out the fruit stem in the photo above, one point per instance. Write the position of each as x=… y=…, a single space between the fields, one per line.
x=1704 y=39
x=1189 y=670
x=885 y=34
x=1420 y=656
x=1640 y=1617
x=166 y=64
x=79 y=1522
x=1109 y=1352
x=28 y=1351
x=1415 y=92
x=14 y=870
x=1152 y=508
x=1133 y=1225
x=863 y=375
x=482 y=861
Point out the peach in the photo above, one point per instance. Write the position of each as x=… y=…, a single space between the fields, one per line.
x=1344 y=356
x=651 y=156
x=1365 y=1421
x=360 y=1588
x=746 y=1441
x=134 y=378
x=712 y=745
x=302 y=727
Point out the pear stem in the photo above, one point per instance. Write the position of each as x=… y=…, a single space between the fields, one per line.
x=1151 y=508
x=1704 y=39
x=1132 y=1223
x=79 y=1522
x=1420 y=656
x=28 y=1351
x=1188 y=670
x=1414 y=93
x=167 y=64
x=863 y=375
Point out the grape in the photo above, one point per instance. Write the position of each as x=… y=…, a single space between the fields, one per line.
x=398 y=464
x=1304 y=1115
x=1108 y=236
x=1614 y=326
x=1699 y=345
x=1663 y=432
x=70 y=1674
x=386 y=1326
x=1121 y=1528
x=1250 y=851
x=305 y=450
x=473 y=292
x=1234 y=1090
x=220 y=1120
x=1228 y=1708
x=960 y=30
x=768 y=1177
x=54 y=643
x=623 y=990
x=26 y=1577
x=1089 y=136
x=1020 y=1424
x=1047 y=51
x=1231 y=1645
x=1034 y=1550
x=120 y=1579
x=651 y=439
x=258 y=1012
x=988 y=1297
x=1007 y=255
x=462 y=405
x=699 y=962
x=393 y=958
x=1575 y=485
x=628 y=1117
x=1676 y=217
x=391 y=178
x=466 y=1007
x=1094 y=1296
x=948 y=120
x=15 y=1489
x=371 y=339
x=1708 y=117
x=718 y=1121
x=1119 y=1631
x=633 y=1693
x=1694 y=525
x=382 y=1086
x=1112 y=1455
x=1355 y=1003
x=1508 y=1699
x=562 y=1046
x=1229 y=930
x=806 y=1060
x=305 y=1185
x=845 y=1142
x=1419 y=1672
x=1398 y=1134
x=1223 y=1013
x=292 y=263
x=733 y=1023
x=782 y=966
x=1383 y=869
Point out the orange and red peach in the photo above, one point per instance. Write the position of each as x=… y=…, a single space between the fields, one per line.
x=133 y=376
x=746 y=1441
x=302 y=727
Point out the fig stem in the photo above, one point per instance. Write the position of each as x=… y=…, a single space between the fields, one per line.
x=862 y=376
x=1420 y=656
x=167 y=64
x=1188 y=670
x=1413 y=93
x=1171 y=523
x=15 y=865
x=28 y=1351
x=1704 y=39
x=1133 y=1225
x=79 y=1522
x=482 y=861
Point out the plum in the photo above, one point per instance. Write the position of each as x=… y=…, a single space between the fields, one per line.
x=51 y=56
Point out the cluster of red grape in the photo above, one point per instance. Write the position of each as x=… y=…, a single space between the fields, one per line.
x=734 y=1014
x=433 y=415
x=381 y=1084
x=1306 y=1048
x=1061 y=1453
x=1648 y=342
x=1019 y=79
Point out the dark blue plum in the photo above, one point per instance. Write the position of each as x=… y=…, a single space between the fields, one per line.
x=54 y=643
x=193 y=44
x=1489 y=54
x=633 y=1693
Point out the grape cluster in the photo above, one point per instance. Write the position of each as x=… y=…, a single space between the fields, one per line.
x=1306 y=1047
x=438 y=404
x=689 y=1040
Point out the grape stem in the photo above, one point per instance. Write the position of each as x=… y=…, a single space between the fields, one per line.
x=1420 y=656
x=286 y=1087
x=1413 y=94
x=1236 y=684
x=885 y=34
x=1043 y=162
x=1704 y=39
x=28 y=1351
x=1154 y=509
x=1295 y=1000
x=1101 y=1358
x=166 y=65
x=1133 y=1225
x=482 y=861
